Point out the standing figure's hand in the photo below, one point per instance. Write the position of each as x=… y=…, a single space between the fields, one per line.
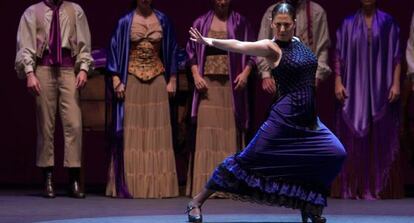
x=340 y=91
x=33 y=84
x=120 y=91
x=394 y=93
x=172 y=86
x=81 y=79
x=269 y=85
x=200 y=84
x=241 y=81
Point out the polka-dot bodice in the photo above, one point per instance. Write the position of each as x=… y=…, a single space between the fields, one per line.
x=297 y=67
x=295 y=78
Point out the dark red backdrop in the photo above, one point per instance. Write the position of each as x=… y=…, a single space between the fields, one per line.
x=17 y=131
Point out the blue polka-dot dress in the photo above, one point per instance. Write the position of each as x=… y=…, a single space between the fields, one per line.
x=293 y=157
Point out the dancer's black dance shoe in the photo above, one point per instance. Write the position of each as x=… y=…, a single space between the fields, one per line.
x=313 y=218
x=193 y=218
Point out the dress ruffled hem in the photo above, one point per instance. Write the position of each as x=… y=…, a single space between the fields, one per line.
x=239 y=184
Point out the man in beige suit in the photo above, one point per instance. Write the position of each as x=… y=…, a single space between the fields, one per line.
x=53 y=55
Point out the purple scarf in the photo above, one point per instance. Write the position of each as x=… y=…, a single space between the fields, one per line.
x=367 y=72
x=367 y=124
x=55 y=39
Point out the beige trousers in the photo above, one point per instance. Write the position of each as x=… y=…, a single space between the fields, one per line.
x=58 y=92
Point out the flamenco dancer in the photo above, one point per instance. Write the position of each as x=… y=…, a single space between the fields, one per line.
x=293 y=157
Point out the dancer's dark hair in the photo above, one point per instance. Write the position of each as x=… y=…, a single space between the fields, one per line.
x=284 y=7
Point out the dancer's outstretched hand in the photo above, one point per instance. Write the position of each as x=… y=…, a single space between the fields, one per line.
x=197 y=37
x=269 y=85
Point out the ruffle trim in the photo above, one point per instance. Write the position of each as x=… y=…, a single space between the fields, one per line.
x=239 y=184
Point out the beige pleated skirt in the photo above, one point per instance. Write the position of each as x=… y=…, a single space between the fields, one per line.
x=149 y=161
x=216 y=136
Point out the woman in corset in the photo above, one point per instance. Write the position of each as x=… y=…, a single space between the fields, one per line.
x=142 y=61
x=220 y=99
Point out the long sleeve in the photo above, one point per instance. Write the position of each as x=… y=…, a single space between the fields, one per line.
x=322 y=42
x=338 y=63
x=84 y=60
x=171 y=51
x=174 y=57
x=113 y=55
x=410 y=52
x=249 y=36
x=395 y=35
x=26 y=44
x=265 y=32
x=191 y=49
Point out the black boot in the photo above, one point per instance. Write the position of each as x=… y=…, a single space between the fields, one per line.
x=48 y=190
x=74 y=179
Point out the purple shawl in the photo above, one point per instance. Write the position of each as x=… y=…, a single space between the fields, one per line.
x=237 y=28
x=367 y=72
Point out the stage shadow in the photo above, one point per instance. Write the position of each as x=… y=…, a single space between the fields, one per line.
x=39 y=194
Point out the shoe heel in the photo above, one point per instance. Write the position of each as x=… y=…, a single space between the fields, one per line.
x=318 y=219
x=305 y=216
x=193 y=218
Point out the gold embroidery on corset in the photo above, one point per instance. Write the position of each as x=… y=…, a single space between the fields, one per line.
x=217 y=64
x=144 y=60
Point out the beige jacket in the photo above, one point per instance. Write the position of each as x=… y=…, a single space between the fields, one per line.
x=33 y=36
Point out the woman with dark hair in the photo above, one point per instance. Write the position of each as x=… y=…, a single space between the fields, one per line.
x=294 y=157
x=312 y=29
x=220 y=99
x=142 y=62
x=367 y=87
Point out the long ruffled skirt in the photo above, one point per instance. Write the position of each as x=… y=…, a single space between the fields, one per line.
x=286 y=163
